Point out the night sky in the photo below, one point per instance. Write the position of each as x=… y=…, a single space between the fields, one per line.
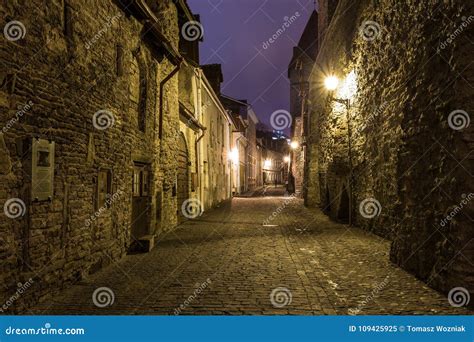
x=234 y=35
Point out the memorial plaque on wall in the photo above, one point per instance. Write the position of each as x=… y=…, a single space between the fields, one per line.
x=42 y=173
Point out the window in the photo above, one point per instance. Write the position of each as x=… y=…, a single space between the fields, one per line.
x=67 y=20
x=142 y=99
x=136 y=183
x=140 y=181
x=145 y=183
x=104 y=186
x=138 y=87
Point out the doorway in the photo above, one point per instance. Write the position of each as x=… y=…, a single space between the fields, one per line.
x=182 y=177
x=141 y=203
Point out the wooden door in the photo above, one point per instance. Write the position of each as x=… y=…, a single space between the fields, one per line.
x=182 y=177
x=140 y=201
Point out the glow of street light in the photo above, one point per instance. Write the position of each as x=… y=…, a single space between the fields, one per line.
x=286 y=159
x=234 y=156
x=294 y=145
x=331 y=83
x=267 y=164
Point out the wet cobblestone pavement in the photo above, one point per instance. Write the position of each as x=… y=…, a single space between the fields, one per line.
x=227 y=262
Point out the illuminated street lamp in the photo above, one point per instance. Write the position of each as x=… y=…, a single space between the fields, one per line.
x=331 y=83
x=267 y=164
x=234 y=156
x=294 y=145
x=286 y=159
x=348 y=88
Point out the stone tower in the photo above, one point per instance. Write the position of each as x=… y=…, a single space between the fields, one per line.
x=299 y=71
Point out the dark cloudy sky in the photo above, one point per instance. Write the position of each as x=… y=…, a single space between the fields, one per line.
x=234 y=35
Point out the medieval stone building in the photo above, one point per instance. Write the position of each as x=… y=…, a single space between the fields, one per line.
x=390 y=146
x=299 y=71
x=109 y=128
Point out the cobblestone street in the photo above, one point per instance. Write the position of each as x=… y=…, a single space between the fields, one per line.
x=228 y=262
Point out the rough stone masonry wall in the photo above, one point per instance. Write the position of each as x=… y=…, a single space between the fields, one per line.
x=68 y=78
x=413 y=73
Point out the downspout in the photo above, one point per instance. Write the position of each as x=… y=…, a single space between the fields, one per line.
x=162 y=86
x=196 y=148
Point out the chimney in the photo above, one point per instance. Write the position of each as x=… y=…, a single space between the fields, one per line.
x=214 y=75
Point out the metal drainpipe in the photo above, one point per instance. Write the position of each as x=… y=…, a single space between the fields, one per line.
x=196 y=149
x=200 y=115
x=162 y=86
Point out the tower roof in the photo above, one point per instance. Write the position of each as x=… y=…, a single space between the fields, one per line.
x=308 y=43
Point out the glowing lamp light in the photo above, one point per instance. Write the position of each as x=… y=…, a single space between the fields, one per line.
x=234 y=155
x=294 y=145
x=331 y=83
x=286 y=159
x=267 y=164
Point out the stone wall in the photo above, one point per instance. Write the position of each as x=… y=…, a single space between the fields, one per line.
x=75 y=59
x=408 y=65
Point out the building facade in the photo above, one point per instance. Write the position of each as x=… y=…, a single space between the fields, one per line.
x=109 y=129
x=394 y=162
x=299 y=71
